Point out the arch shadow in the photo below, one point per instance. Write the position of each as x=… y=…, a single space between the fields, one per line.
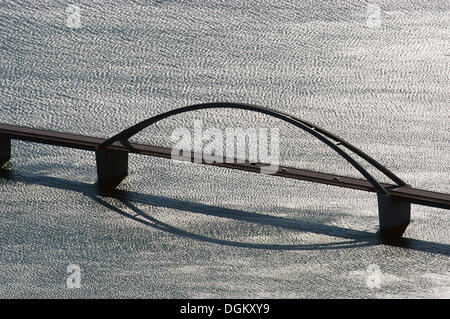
x=352 y=238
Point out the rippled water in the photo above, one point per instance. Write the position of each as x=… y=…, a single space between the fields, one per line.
x=183 y=230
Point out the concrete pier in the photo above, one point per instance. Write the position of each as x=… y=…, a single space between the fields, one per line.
x=5 y=149
x=112 y=168
x=394 y=215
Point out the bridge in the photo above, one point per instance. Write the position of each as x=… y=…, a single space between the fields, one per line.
x=394 y=199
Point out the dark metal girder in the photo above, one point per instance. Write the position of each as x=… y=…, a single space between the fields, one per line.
x=416 y=196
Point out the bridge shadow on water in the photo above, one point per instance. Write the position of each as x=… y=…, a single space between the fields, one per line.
x=351 y=238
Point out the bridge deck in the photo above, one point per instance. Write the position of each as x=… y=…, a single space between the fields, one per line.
x=414 y=195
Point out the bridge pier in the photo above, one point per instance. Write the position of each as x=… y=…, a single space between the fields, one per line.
x=5 y=149
x=112 y=168
x=394 y=215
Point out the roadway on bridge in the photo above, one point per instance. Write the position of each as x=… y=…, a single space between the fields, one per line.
x=89 y=143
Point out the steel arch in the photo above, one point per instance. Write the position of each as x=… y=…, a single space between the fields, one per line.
x=323 y=135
